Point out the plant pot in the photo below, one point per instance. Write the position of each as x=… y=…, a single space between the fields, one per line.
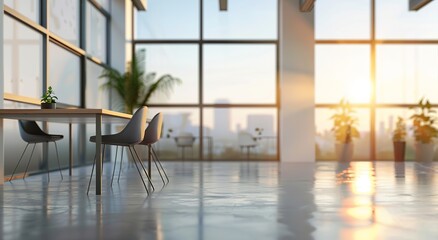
x=424 y=152
x=399 y=151
x=344 y=151
x=48 y=105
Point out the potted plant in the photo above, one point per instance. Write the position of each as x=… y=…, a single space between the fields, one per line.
x=134 y=87
x=424 y=131
x=48 y=100
x=399 y=140
x=344 y=128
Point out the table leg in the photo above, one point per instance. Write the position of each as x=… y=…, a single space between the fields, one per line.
x=98 y=154
x=70 y=148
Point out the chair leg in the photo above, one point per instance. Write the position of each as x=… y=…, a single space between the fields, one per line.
x=120 y=166
x=156 y=165
x=138 y=169
x=92 y=169
x=59 y=165
x=12 y=176
x=114 y=168
x=144 y=169
x=27 y=166
x=159 y=162
x=247 y=153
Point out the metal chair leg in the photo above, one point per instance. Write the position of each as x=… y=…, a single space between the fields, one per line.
x=138 y=169
x=91 y=176
x=144 y=169
x=159 y=162
x=114 y=168
x=33 y=149
x=59 y=165
x=12 y=176
x=156 y=165
x=120 y=166
x=92 y=169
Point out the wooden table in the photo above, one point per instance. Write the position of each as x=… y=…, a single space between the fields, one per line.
x=70 y=116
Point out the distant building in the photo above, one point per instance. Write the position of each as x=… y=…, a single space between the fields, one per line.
x=222 y=120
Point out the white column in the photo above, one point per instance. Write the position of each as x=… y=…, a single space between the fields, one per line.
x=2 y=146
x=297 y=79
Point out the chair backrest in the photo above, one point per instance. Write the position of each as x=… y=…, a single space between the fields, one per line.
x=246 y=139
x=185 y=139
x=153 y=131
x=133 y=133
x=29 y=128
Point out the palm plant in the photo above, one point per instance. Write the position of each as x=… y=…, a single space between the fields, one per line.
x=344 y=123
x=134 y=87
x=423 y=122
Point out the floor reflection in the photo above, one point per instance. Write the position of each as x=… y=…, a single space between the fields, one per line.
x=231 y=200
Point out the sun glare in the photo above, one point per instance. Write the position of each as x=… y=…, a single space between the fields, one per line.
x=359 y=91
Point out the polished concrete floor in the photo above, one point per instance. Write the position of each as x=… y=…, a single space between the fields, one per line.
x=231 y=200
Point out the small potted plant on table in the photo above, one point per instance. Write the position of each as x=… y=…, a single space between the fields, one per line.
x=48 y=100
x=399 y=140
x=424 y=131
x=344 y=128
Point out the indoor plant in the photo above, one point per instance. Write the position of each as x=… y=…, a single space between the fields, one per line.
x=344 y=128
x=423 y=123
x=134 y=87
x=399 y=140
x=48 y=100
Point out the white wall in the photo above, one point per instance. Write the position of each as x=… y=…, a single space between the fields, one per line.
x=118 y=28
x=297 y=104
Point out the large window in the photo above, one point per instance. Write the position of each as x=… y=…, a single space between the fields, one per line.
x=52 y=48
x=382 y=58
x=228 y=65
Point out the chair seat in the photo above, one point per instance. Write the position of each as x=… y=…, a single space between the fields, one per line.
x=248 y=145
x=43 y=138
x=112 y=139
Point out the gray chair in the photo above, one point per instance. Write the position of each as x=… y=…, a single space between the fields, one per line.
x=185 y=140
x=151 y=136
x=31 y=133
x=246 y=140
x=132 y=134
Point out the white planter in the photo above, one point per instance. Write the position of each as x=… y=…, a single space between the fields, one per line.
x=424 y=152
x=344 y=151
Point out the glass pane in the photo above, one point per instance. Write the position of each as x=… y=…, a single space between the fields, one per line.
x=22 y=59
x=342 y=71
x=96 y=96
x=225 y=128
x=395 y=21
x=325 y=140
x=239 y=73
x=29 y=8
x=239 y=21
x=342 y=19
x=409 y=71
x=386 y=118
x=180 y=61
x=64 y=70
x=64 y=19
x=180 y=136
x=96 y=33
x=168 y=19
